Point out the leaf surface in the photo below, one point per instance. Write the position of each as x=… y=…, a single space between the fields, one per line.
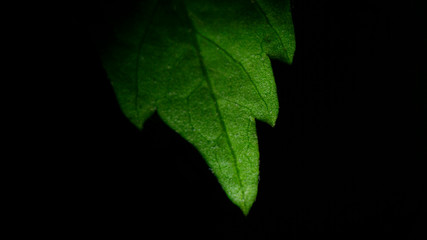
x=204 y=66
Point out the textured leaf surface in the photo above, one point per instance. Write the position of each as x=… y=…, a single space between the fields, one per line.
x=204 y=66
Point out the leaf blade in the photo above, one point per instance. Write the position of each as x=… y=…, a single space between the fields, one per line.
x=206 y=71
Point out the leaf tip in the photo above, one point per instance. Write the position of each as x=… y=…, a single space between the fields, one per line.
x=245 y=210
x=272 y=123
x=290 y=55
x=246 y=205
x=272 y=119
x=137 y=123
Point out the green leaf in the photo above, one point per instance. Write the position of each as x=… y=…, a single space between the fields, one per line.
x=204 y=66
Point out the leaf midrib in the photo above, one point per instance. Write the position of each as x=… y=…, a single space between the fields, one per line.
x=213 y=95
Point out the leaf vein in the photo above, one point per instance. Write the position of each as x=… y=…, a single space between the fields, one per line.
x=255 y=2
x=240 y=65
x=218 y=110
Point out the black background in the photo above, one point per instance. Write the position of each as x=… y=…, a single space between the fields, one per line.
x=343 y=161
